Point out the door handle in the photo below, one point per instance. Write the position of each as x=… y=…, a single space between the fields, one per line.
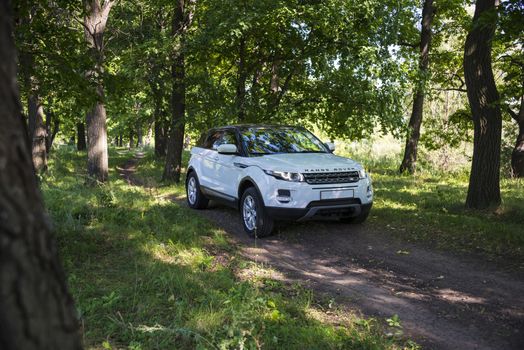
x=215 y=157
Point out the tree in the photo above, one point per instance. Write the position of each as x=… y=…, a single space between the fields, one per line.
x=37 y=132
x=52 y=125
x=35 y=110
x=415 y=121
x=517 y=156
x=182 y=18
x=484 y=181
x=36 y=310
x=95 y=20
x=81 y=136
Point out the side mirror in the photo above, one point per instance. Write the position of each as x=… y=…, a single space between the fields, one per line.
x=227 y=148
x=330 y=146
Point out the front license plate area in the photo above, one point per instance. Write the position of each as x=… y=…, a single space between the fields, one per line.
x=337 y=194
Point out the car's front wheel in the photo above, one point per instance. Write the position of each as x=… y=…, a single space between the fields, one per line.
x=255 y=220
x=195 y=197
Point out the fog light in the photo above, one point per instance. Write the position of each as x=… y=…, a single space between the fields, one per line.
x=284 y=196
x=286 y=193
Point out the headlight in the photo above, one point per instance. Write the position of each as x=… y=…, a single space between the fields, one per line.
x=362 y=174
x=286 y=175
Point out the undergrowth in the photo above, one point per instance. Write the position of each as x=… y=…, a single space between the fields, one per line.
x=147 y=273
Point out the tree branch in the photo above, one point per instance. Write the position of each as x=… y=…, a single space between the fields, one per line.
x=512 y=114
x=460 y=89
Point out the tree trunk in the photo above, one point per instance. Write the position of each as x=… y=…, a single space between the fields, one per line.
x=36 y=309
x=160 y=133
x=415 y=121
x=160 y=120
x=131 y=137
x=97 y=157
x=52 y=126
x=241 y=82
x=139 y=136
x=95 y=22
x=517 y=156
x=81 y=137
x=181 y=21
x=484 y=181
x=37 y=133
x=175 y=143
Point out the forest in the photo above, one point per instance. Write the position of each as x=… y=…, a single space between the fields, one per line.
x=102 y=101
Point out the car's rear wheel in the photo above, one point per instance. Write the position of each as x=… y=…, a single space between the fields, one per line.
x=255 y=220
x=195 y=197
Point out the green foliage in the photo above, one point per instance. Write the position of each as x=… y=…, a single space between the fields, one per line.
x=330 y=62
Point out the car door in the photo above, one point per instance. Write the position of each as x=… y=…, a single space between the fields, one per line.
x=225 y=171
x=209 y=160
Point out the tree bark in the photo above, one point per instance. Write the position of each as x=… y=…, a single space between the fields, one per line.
x=81 y=137
x=52 y=126
x=139 y=136
x=484 y=181
x=415 y=121
x=37 y=133
x=95 y=22
x=517 y=156
x=175 y=144
x=36 y=309
x=131 y=137
x=97 y=157
x=181 y=21
x=241 y=81
x=160 y=133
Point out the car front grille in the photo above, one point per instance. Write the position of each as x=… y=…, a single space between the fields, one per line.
x=331 y=178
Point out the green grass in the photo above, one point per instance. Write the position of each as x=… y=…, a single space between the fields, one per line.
x=147 y=273
x=429 y=207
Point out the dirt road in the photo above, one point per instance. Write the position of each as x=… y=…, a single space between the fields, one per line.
x=444 y=301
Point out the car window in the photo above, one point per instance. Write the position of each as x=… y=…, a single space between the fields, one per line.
x=212 y=138
x=228 y=137
x=259 y=141
x=220 y=137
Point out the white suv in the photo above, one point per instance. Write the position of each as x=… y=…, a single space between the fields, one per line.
x=276 y=173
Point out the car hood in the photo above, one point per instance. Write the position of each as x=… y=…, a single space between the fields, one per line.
x=305 y=162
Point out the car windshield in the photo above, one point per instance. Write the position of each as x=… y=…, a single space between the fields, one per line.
x=260 y=141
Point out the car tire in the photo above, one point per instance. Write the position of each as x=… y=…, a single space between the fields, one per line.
x=195 y=197
x=360 y=218
x=253 y=213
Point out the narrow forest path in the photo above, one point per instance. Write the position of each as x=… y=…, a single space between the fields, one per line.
x=443 y=301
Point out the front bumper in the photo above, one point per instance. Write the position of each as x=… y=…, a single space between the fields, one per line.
x=321 y=209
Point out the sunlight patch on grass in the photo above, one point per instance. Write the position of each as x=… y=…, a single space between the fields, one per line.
x=390 y=204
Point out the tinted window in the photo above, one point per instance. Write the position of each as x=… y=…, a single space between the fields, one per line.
x=220 y=137
x=281 y=140
x=212 y=138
